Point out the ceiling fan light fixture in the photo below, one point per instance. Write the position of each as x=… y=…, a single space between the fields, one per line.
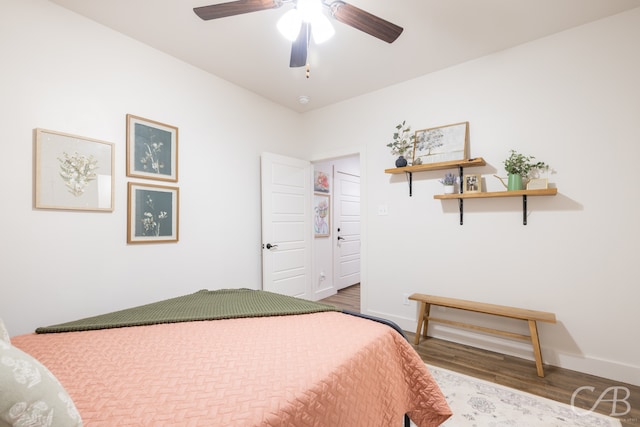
x=309 y=9
x=311 y=12
x=289 y=24
x=321 y=29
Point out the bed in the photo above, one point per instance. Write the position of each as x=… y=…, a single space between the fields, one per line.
x=233 y=358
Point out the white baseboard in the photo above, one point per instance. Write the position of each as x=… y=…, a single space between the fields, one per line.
x=320 y=294
x=613 y=370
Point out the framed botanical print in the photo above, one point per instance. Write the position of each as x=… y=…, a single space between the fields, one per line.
x=153 y=213
x=320 y=182
x=321 y=217
x=73 y=172
x=152 y=149
x=441 y=144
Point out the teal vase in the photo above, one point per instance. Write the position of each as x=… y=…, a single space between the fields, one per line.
x=515 y=182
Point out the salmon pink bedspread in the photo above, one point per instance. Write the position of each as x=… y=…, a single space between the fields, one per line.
x=322 y=369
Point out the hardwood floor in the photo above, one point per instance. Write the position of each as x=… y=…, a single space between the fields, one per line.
x=347 y=298
x=621 y=400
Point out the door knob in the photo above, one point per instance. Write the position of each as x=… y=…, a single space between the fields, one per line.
x=340 y=238
x=269 y=246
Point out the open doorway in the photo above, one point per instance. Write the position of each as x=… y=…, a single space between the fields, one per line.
x=336 y=260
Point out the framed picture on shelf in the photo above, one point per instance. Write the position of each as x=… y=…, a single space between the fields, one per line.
x=441 y=144
x=73 y=172
x=152 y=149
x=321 y=217
x=153 y=213
x=537 y=184
x=472 y=184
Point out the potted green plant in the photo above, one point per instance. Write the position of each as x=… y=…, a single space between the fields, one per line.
x=402 y=143
x=518 y=167
x=449 y=182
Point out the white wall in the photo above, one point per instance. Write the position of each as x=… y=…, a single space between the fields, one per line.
x=571 y=100
x=65 y=73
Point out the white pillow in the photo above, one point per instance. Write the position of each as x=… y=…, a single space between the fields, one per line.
x=30 y=394
x=4 y=334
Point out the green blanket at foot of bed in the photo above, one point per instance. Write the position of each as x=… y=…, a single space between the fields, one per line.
x=201 y=305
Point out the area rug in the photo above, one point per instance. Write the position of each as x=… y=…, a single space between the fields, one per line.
x=478 y=403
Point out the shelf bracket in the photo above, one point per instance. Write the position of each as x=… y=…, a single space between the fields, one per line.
x=524 y=209
x=410 y=178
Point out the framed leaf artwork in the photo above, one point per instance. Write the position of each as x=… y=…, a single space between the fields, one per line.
x=152 y=149
x=153 y=213
x=73 y=172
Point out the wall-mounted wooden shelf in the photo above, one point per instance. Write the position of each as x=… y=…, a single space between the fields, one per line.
x=460 y=164
x=478 y=161
x=493 y=194
x=545 y=192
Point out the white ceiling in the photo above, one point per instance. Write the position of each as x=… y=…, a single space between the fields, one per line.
x=248 y=50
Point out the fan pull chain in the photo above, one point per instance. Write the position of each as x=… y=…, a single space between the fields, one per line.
x=308 y=70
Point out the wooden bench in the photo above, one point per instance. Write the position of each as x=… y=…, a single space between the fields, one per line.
x=531 y=316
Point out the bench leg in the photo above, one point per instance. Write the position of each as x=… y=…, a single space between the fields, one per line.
x=423 y=322
x=416 y=340
x=535 y=341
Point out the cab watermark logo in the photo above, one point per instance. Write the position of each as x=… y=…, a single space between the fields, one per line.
x=618 y=396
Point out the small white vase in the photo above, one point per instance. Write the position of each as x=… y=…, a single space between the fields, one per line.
x=449 y=189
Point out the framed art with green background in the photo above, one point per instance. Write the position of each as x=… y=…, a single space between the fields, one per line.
x=152 y=149
x=153 y=213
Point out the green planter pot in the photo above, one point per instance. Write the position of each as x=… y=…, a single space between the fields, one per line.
x=515 y=183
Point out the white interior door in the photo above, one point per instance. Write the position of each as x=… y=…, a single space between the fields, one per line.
x=347 y=229
x=286 y=225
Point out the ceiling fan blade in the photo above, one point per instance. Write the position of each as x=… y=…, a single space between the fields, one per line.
x=364 y=21
x=232 y=8
x=299 y=47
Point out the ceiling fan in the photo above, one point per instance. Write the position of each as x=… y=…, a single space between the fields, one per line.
x=339 y=10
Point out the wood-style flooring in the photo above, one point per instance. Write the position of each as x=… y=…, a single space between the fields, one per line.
x=621 y=401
